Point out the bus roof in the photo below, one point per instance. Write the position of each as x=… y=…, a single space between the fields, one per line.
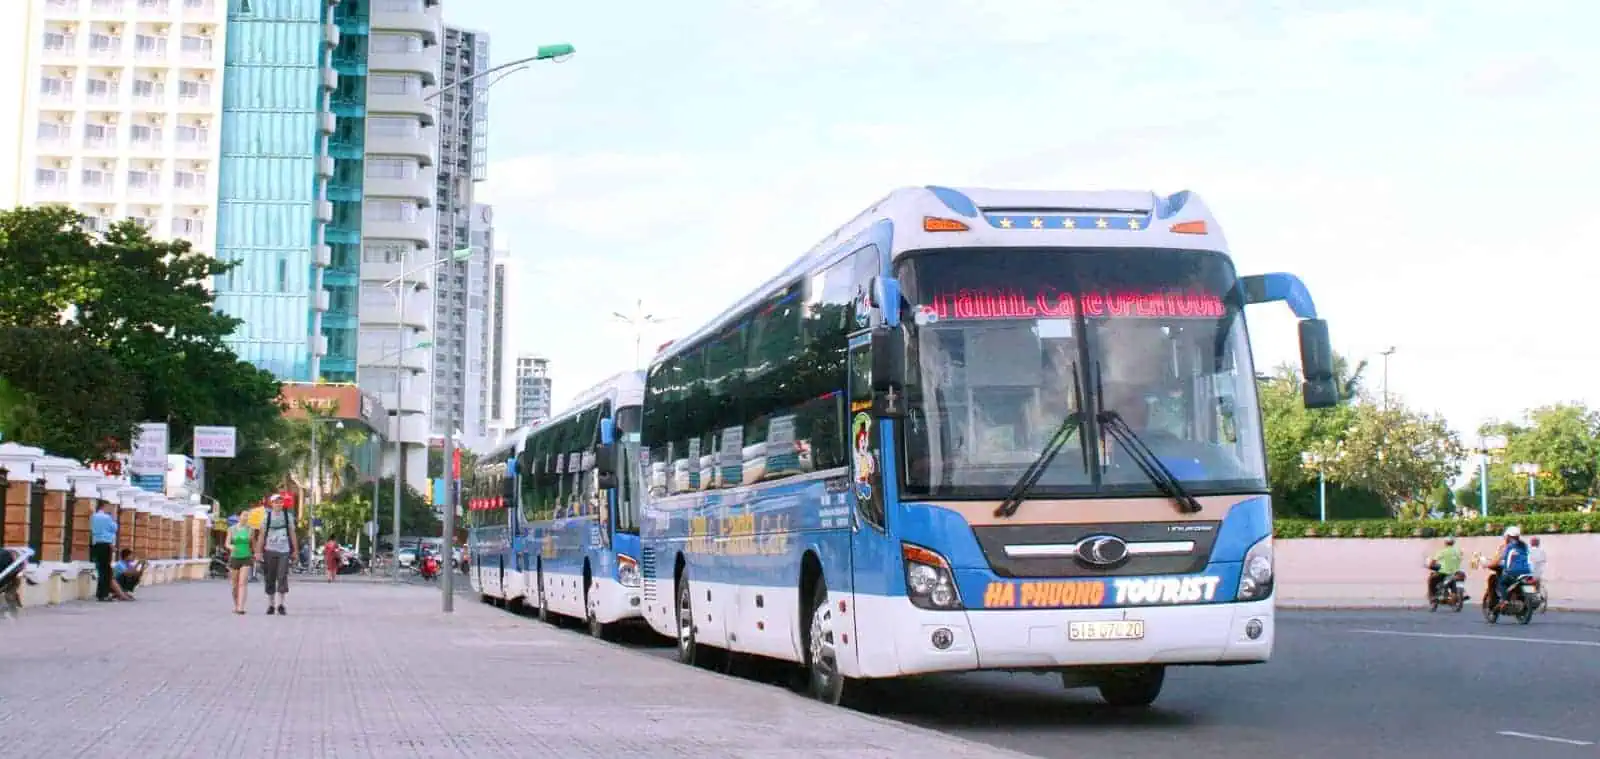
x=991 y=218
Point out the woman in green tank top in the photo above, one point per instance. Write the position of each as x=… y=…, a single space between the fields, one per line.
x=240 y=558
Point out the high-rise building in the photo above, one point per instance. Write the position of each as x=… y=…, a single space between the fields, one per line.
x=500 y=420
x=313 y=168
x=119 y=105
x=272 y=190
x=461 y=288
x=397 y=222
x=533 y=389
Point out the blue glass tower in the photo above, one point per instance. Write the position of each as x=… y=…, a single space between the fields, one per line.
x=342 y=278
x=270 y=181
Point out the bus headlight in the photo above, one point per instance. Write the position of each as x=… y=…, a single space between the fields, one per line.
x=1255 y=577
x=627 y=571
x=929 y=582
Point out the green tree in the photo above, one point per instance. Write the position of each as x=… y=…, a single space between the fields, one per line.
x=147 y=305
x=416 y=511
x=1291 y=429
x=61 y=393
x=1399 y=454
x=1564 y=440
x=344 y=518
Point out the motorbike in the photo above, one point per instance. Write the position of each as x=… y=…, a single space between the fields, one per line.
x=1522 y=599
x=1451 y=592
x=429 y=567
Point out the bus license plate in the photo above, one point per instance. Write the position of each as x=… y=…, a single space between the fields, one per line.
x=1122 y=629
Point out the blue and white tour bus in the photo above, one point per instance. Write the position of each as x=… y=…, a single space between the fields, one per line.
x=975 y=430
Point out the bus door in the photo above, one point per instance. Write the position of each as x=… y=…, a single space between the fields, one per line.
x=870 y=563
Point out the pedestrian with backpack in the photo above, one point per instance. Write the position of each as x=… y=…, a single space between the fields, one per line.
x=275 y=547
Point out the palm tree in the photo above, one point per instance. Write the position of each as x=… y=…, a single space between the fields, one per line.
x=335 y=452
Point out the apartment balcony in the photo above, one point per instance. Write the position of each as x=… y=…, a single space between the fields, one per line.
x=330 y=35
x=419 y=188
x=322 y=255
x=324 y=166
x=416 y=359
x=410 y=103
x=319 y=345
x=417 y=20
x=385 y=272
x=327 y=122
x=422 y=147
x=418 y=315
x=321 y=300
x=425 y=62
x=330 y=78
x=412 y=429
x=418 y=230
x=324 y=211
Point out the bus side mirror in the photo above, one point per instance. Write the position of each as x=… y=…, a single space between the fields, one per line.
x=888 y=373
x=1321 y=388
x=606 y=480
x=605 y=459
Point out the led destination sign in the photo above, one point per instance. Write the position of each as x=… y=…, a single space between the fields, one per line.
x=1046 y=302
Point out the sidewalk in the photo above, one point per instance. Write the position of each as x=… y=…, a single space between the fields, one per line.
x=375 y=670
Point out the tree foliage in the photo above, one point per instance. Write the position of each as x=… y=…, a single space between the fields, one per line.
x=134 y=317
x=417 y=517
x=1377 y=462
x=1562 y=439
x=1402 y=456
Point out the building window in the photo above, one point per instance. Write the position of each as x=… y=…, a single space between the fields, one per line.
x=394 y=43
x=384 y=252
x=394 y=84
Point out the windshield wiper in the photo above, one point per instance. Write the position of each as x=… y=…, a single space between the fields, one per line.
x=1058 y=439
x=1148 y=462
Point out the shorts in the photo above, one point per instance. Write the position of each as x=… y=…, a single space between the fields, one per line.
x=276 y=572
x=238 y=563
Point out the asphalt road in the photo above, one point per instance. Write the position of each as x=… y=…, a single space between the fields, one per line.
x=1341 y=684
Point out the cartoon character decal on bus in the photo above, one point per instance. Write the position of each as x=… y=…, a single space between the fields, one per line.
x=865 y=463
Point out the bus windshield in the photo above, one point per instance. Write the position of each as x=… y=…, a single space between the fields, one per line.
x=1006 y=343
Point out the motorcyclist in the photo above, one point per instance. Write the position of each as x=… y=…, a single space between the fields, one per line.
x=1444 y=565
x=1511 y=564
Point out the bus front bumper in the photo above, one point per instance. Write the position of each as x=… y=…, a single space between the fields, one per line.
x=1223 y=633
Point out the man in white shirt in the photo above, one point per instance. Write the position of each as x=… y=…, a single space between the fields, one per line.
x=1536 y=562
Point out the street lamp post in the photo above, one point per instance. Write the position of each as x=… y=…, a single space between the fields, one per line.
x=1312 y=459
x=1486 y=445
x=638 y=321
x=1386 y=355
x=400 y=286
x=1529 y=469
x=447 y=542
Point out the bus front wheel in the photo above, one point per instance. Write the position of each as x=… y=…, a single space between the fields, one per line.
x=1134 y=686
x=823 y=680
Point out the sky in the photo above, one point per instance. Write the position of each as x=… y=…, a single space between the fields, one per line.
x=1420 y=165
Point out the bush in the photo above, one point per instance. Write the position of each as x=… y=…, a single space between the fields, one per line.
x=1532 y=524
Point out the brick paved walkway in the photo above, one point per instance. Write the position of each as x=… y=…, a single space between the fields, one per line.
x=359 y=670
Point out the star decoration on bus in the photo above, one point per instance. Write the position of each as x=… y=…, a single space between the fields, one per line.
x=1133 y=224
x=1005 y=221
x=1068 y=223
x=1101 y=223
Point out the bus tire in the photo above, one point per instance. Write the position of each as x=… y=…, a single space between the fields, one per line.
x=823 y=680
x=597 y=628
x=1134 y=686
x=688 y=646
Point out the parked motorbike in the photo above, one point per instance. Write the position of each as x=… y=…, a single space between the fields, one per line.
x=1521 y=601
x=13 y=562
x=1451 y=591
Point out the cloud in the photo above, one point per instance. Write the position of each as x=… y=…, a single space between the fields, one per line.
x=1513 y=77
